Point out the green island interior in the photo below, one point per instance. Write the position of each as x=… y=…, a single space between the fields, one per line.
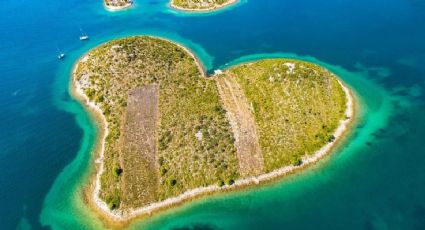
x=172 y=129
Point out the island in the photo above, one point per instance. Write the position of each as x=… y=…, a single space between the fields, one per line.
x=184 y=5
x=201 y=5
x=117 y=4
x=170 y=133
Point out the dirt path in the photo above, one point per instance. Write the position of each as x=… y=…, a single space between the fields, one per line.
x=139 y=147
x=243 y=126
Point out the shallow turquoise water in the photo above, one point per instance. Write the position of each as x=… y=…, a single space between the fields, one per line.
x=375 y=181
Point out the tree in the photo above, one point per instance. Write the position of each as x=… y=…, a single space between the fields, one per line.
x=220 y=183
x=113 y=201
x=118 y=171
x=296 y=161
x=172 y=182
x=229 y=181
x=331 y=138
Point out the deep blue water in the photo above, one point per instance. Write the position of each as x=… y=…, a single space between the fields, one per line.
x=377 y=181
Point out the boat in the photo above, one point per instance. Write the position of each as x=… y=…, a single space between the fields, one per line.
x=83 y=36
x=61 y=54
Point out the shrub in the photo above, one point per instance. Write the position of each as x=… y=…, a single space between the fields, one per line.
x=172 y=182
x=99 y=99
x=107 y=110
x=163 y=171
x=220 y=183
x=113 y=201
x=118 y=171
x=90 y=93
x=230 y=181
x=296 y=161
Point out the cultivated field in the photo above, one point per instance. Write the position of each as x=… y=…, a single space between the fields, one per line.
x=138 y=147
x=243 y=127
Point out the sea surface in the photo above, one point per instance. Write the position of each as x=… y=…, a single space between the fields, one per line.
x=375 y=180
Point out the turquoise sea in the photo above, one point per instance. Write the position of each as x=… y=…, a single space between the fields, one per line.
x=375 y=180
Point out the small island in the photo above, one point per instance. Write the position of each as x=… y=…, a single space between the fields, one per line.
x=184 y=5
x=117 y=4
x=201 y=5
x=170 y=133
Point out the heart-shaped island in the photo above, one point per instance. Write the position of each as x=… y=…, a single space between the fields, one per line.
x=170 y=133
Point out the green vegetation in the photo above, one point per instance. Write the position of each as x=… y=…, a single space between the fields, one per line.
x=229 y=181
x=200 y=4
x=188 y=103
x=220 y=183
x=118 y=3
x=297 y=107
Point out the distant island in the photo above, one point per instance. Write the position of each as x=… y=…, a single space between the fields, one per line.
x=201 y=5
x=185 y=5
x=170 y=133
x=117 y=4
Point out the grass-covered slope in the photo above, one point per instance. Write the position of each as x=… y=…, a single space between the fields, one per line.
x=194 y=141
x=200 y=4
x=297 y=106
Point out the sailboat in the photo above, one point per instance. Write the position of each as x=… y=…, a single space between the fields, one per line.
x=61 y=55
x=83 y=36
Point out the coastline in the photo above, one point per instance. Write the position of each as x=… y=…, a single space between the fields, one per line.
x=205 y=10
x=121 y=217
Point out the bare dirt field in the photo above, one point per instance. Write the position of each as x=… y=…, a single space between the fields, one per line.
x=140 y=170
x=243 y=126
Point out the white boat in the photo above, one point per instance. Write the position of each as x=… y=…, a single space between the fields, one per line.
x=61 y=54
x=83 y=36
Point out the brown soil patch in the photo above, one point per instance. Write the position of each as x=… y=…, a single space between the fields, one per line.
x=243 y=126
x=138 y=148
